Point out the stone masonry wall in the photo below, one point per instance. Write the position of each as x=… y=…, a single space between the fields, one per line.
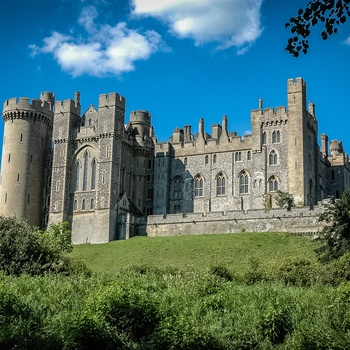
x=297 y=220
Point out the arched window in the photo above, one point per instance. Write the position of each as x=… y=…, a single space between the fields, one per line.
x=220 y=184
x=86 y=170
x=92 y=204
x=214 y=159
x=185 y=162
x=273 y=184
x=273 y=158
x=93 y=174
x=77 y=181
x=83 y=205
x=177 y=188
x=198 y=186
x=275 y=136
x=206 y=160
x=243 y=182
x=238 y=156
x=278 y=136
x=75 y=204
x=249 y=155
x=263 y=138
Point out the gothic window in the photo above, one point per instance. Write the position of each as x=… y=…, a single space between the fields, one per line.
x=273 y=158
x=86 y=170
x=263 y=138
x=93 y=174
x=214 y=159
x=198 y=186
x=238 y=156
x=249 y=155
x=83 y=205
x=177 y=188
x=92 y=204
x=243 y=182
x=206 y=160
x=220 y=184
x=273 y=184
x=276 y=136
x=78 y=176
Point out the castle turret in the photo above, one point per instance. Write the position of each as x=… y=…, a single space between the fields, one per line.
x=324 y=145
x=26 y=149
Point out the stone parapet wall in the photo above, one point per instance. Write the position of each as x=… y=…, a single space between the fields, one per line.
x=297 y=220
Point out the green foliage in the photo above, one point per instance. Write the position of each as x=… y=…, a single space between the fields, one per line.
x=330 y=13
x=335 y=236
x=26 y=249
x=18 y=322
x=283 y=199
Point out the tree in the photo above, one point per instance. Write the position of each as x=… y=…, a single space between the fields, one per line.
x=331 y=13
x=283 y=199
x=336 y=234
x=26 y=249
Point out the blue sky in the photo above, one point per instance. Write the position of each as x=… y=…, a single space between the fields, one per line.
x=180 y=59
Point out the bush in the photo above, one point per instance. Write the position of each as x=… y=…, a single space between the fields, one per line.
x=18 y=323
x=26 y=249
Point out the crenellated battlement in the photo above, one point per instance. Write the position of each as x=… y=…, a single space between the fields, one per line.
x=111 y=100
x=67 y=106
x=24 y=104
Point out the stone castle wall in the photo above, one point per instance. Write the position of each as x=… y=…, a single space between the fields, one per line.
x=297 y=220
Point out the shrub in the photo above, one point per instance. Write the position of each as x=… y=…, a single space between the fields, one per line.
x=18 y=323
x=26 y=249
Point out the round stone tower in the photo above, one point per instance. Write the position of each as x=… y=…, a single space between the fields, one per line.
x=25 y=156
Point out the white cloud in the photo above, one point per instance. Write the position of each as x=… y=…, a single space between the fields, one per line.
x=225 y=22
x=106 y=49
x=347 y=41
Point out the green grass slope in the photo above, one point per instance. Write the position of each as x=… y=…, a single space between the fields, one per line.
x=238 y=252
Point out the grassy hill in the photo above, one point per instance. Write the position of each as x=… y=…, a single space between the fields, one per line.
x=238 y=252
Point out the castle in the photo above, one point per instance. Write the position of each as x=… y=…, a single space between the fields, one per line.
x=109 y=179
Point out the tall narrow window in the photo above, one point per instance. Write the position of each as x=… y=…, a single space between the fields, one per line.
x=243 y=182
x=278 y=136
x=21 y=138
x=249 y=155
x=273 y=158
x=214 y=159
x=9 y=158
x=177 y=188
x=78 y=176
x=263 y=138
x=238 y=156
x=93 y=174
x=206 y=160
x=5 y=197
x=92 y=204
x=83 y=205
x=17 y=178
x=220 y=184
x=185 y=162
x=75 y=204
x=198 y=186
x=86 y=170
x=273 y=184
x=274 y=137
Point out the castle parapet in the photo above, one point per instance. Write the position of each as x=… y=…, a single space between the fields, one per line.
x=23 y=103
x=67 y=106
x=111 y=99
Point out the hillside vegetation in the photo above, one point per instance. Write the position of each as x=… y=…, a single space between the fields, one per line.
x=237 y=252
